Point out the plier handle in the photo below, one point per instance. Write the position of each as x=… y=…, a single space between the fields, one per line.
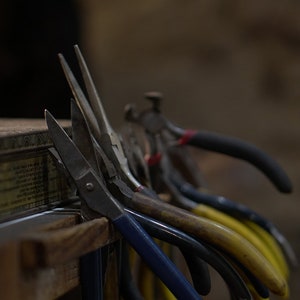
x=94 y=193
x=155 y=123
x=165 y=170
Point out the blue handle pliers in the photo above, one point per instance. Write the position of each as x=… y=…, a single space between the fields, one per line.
x=95 y=195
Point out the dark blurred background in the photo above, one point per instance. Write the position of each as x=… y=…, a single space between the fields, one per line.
x=226 y=66
x=31 y=34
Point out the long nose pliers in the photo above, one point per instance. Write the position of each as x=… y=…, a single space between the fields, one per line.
x=94 y=193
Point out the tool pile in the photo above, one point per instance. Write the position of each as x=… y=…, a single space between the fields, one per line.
x=145 y=182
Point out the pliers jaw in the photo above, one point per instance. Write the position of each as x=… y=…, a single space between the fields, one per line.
x=110 y=145
x=97 y=119
x=134 y=149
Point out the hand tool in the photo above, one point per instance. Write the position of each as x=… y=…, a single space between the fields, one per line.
x=272 y=245
x=134 y=144
x=214 y=234
x=117 y=180
x=226 y=220
x=207 y=253
x=126 y=195
x=82 y=137
x=92 y=265
x=119 y=184
x=154 y=122
x=129 y=290
x=217 y=208
x=236 y=210
x=109 y=139
x=157 y=125
x=98 y=199
x=180 y=156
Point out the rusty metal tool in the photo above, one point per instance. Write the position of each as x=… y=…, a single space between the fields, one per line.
x=98 y=199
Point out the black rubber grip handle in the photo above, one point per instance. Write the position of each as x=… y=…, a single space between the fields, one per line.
x=242 y=150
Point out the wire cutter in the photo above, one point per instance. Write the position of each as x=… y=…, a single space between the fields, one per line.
x=96 y=196
x=198 y=269
x=156 y=123
x=166 y=172
x=189 y=246
x=201 y=279
x=159 y=128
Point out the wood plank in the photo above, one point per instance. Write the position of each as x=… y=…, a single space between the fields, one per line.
x=9 y=272
x=51 y=248
x=49 y=283
x=39 y=255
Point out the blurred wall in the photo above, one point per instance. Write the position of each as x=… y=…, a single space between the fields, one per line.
x=228 y=61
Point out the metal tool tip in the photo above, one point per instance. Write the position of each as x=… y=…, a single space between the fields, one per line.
x=62 y=60
x=48 y=116
x=46 y=112
x=77 y=50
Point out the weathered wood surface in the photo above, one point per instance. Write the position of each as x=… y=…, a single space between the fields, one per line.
x=39 y=256
x=10 y=126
